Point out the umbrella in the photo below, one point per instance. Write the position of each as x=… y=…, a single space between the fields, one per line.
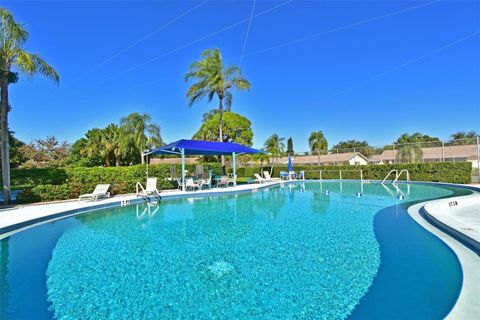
x=290 y=167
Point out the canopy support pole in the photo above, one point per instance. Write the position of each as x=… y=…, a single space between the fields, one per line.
x=183 y=168
x=146 y=156
x=234 y=169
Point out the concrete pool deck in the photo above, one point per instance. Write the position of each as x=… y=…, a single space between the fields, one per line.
x=467 y=306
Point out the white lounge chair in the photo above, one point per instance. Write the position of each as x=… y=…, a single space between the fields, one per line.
x=232 y=179
x=223 y=181
x=206 y=183
x=149 y=190
x=101 y=191
x=267 y=176
x=259 y=179
x=192 y=185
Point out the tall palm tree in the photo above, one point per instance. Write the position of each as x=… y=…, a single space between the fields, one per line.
x=12 y=56
x=275 y=146
x=409 y=153
x=317 y=143
x=262 y=158
x=139 y=130
x=111 y=142
x=214 y=79
x=94 y=145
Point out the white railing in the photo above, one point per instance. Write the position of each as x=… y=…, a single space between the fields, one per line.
x=397 y=175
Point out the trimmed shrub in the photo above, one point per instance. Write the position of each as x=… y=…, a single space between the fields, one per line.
x=67 y=183
x=453 y=172
x=47 y=192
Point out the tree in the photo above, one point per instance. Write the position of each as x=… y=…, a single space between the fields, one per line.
x=354 y=145
x=275 y=146
x=409 y=153
x=16 y=158
x=12 y=38
x=317 y=143
x=92 y=146
x=111 y=139
x=78 y=156
x=236 y=128
x=44 y=153
x=262 y=158
x=417 y=137
x=210 y=114
x=290 y=151
x=140 y=133
x=214 y=79
x=463 y=138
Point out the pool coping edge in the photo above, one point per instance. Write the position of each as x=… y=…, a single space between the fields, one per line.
x=466 y=305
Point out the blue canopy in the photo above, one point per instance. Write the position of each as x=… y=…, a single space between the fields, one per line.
x=200 y=147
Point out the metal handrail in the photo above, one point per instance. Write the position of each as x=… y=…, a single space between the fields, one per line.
x=389 y=173
x=399 y=174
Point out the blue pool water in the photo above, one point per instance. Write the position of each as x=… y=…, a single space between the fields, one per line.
x=290 y=252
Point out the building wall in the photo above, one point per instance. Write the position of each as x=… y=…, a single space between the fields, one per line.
x=358 y=160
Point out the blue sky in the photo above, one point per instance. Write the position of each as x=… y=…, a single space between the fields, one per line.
x=354 y=69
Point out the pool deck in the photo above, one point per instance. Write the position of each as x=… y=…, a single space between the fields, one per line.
x=467 y=306
x=461 y=214
x=21 y=217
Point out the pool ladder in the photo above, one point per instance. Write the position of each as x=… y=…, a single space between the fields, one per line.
x=397 y=175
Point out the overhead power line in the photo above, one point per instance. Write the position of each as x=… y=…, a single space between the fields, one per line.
x=247 y=33
x=137 y=42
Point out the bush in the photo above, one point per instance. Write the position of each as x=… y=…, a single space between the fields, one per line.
x=48 y=192
x=453 y=172
x=67 y=183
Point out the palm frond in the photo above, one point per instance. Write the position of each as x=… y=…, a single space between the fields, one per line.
x=12 y=34
x=25 y=62
x=44 y=68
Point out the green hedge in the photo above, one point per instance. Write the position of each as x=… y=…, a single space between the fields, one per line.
x=453 y=172
x=66 y=183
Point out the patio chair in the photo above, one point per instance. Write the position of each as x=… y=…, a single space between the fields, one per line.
x=267 y=176
x=192 y=185
x=199 y=171
x=223 y=181
x=206 y=183
x=149 y=190
x=259 y=179
x=283 y=175
x=179 y=183
x=232 y=179
x=101 y=191
x=291 y=175
x=301 y=175
x=173 y=172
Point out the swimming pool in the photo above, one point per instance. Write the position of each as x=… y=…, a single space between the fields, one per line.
x=329 y=250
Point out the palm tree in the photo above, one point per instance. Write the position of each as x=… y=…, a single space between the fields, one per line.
x=317 y=143
x=112 y=144
x=214 y=79
x=140 y=132
x=409 y=153
x=275 y=146
x=262 y=158
x=12 y=38
x=463 y=138
x=94 y=145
